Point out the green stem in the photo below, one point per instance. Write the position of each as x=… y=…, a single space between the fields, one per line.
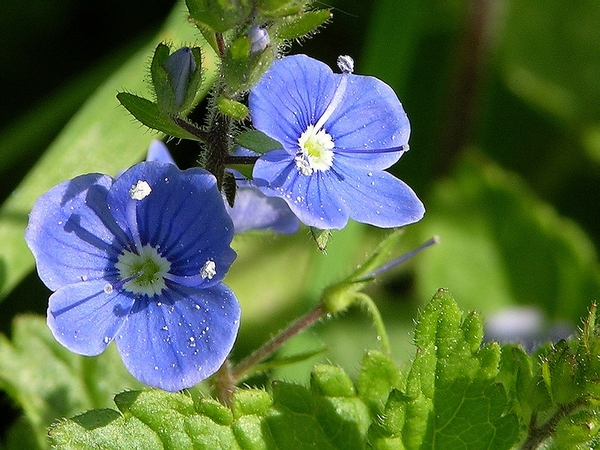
x=239 y=371
x=537 y=435
x=366 y=301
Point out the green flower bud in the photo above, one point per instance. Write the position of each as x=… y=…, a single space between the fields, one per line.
x=243 y=67
x=232 y=108
x=176 y=77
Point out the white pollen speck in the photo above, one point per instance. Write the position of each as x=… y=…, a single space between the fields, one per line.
x=108 y=288
x=166 y=328
x=106 y=339
x=155 y=367
x=209 y=270
x=140 y=190
x=345 y=63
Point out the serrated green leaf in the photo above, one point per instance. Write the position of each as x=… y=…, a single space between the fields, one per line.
x=293 y=417
x=378 y=376
x=101 y=137
x=452 y=398
x=55 y=383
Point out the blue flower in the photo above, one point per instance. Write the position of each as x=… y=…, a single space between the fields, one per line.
x=252 y=210
x=339 y=132
x=140 y=260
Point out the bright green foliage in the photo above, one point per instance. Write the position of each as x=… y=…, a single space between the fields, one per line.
x=456 y=393
x=452 y=398
x=232 y=108
x=329 y=415
x=559 y=397
x=278 y=8
x=241 y=68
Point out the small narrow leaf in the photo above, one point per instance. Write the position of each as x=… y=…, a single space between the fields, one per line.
x=152 y=116
x=257 y=141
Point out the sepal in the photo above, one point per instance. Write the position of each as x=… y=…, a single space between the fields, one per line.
x=176 y=77
x=153 y=117
x=296 y=26
x=219 y=15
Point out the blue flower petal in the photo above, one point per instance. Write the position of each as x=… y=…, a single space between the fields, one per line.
x=158 y=151
x=293 y=94
x=181 y=340
x=312 y=199
x=369 y=117
x=85 y=317
x=183 y=216
x=71 y=232
x=296 y=91
x=255 y=211
x=378 y=198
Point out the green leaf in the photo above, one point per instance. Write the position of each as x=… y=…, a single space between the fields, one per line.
x=452 y=398
x=298 y=25
x=378 y=376
x=219 y=15
x=501 y=245
x=150 y=114
x=329 y=415
x=54 y=382
x=100 y=138
x=257 y=141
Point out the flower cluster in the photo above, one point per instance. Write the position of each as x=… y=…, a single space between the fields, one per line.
x=338 y=132
x=140 y=260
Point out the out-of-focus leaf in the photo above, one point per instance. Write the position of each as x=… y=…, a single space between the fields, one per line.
x=50 y=382
x=102 y=137
x=500 y=245
x=550 y=56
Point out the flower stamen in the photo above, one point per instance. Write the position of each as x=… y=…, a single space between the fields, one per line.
x=143 y=272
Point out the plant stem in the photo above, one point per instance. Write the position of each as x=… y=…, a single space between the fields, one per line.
x=224 y=383
x=537 y=435
x=382 y=336
x=310 y=318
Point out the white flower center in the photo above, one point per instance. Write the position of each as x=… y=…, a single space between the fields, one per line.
x=316 y=151
x=145 y=271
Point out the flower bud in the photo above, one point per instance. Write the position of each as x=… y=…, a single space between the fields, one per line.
x=176 y=77
x=259 y=39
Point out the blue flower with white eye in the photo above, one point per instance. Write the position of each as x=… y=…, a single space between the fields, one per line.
x=339 y=132
x=252 y=209
x=140 y=260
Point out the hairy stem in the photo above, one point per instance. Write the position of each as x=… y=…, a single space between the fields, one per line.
x=537 y=435
x=310 y=318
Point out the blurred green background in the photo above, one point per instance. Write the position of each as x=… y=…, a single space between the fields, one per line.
x=503 y=98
